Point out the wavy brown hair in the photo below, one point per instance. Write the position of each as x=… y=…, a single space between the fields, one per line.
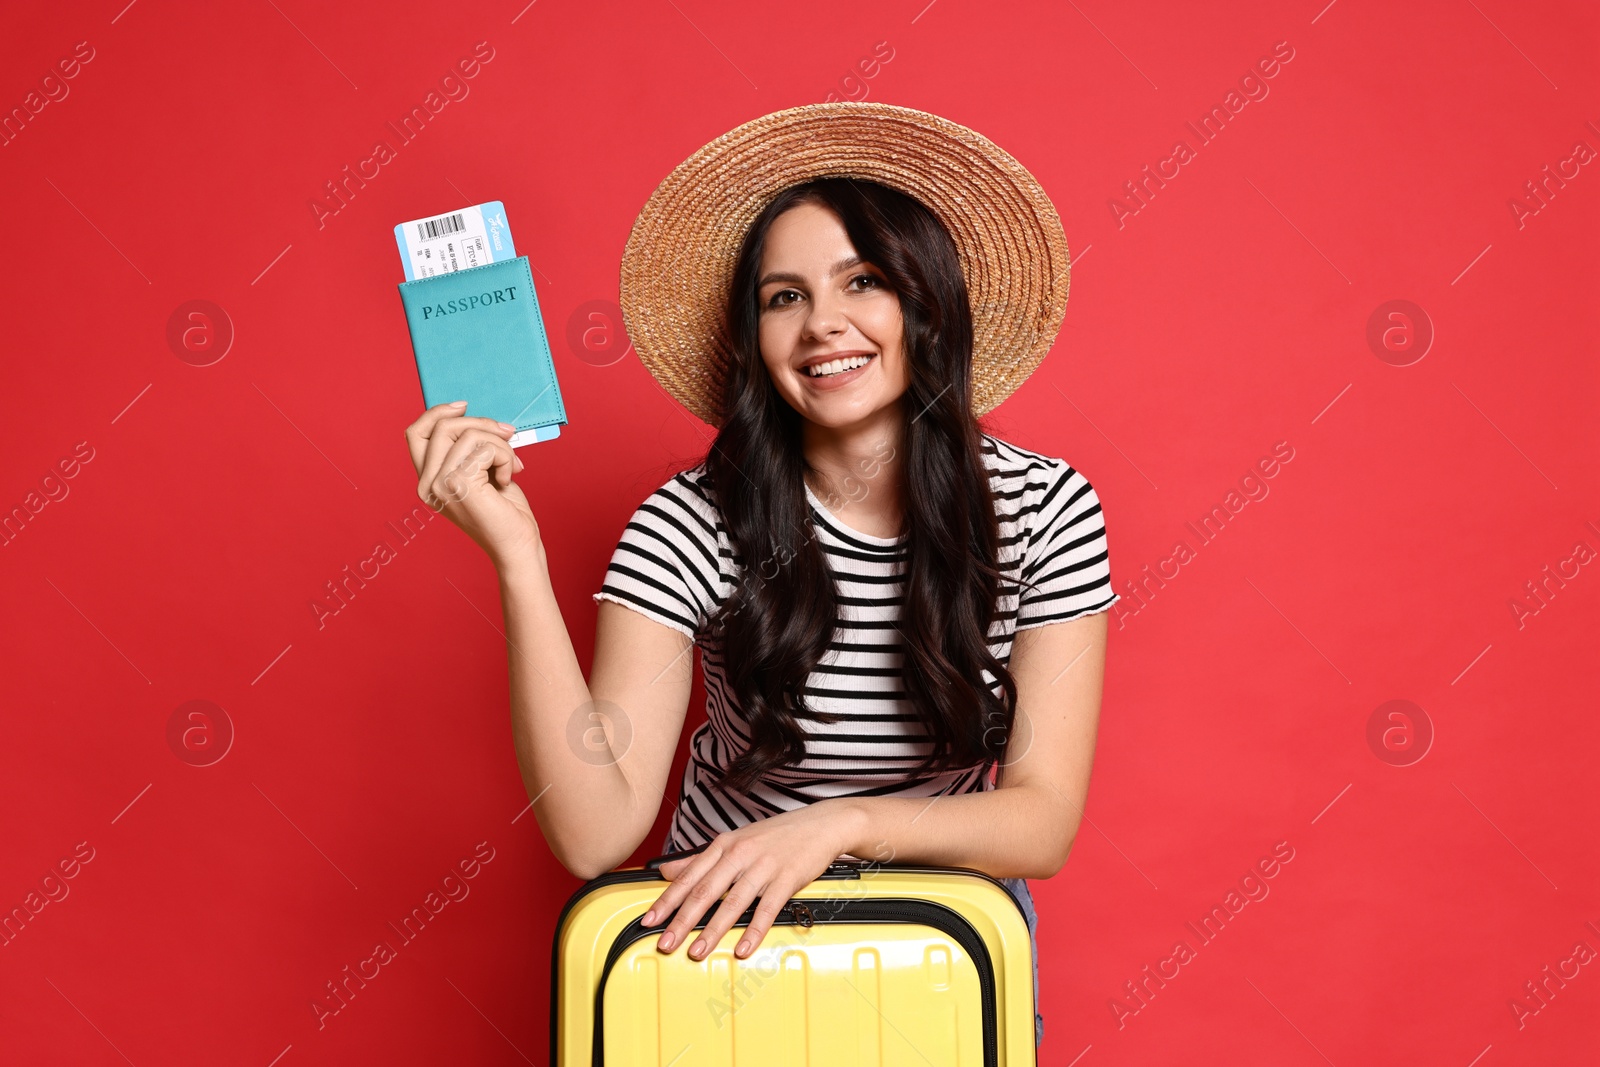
x=785 y=601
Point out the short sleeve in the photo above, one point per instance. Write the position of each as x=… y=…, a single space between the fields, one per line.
x=1067 y=556
x=667 y=564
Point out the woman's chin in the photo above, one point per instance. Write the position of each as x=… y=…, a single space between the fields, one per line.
x=842 y=412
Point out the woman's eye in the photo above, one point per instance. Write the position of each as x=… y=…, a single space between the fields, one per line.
x=777 y=299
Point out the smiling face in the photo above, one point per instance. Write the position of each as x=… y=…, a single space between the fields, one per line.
x=822 y=307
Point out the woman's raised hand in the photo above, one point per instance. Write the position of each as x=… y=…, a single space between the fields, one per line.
x=464 y=468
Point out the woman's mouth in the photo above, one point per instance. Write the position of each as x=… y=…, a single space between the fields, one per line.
x=837 y=372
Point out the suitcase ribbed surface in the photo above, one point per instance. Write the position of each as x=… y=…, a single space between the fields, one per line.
x=884 y=966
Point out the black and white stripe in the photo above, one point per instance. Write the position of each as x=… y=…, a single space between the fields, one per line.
x=675 y=564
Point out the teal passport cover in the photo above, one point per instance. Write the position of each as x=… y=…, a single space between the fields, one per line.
x=478 y=336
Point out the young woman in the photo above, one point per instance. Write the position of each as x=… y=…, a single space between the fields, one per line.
x=891 y=604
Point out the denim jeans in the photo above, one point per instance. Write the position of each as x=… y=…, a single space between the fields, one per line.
x=1019 y=889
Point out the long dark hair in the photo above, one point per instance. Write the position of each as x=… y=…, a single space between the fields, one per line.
x=780 y=619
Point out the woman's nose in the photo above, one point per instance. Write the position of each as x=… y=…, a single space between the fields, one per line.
x=825 y=318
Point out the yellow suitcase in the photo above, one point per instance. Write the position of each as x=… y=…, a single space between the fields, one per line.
x=886 y=965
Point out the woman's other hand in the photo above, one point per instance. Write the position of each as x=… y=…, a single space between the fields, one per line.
x=767 y=860
x=464 y=468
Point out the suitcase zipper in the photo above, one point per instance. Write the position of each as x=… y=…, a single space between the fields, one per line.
x=648 y=874
x=797 y=913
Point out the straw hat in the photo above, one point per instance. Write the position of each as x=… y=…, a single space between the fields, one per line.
x=680 y=256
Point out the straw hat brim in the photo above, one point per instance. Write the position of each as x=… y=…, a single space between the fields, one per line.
x=680 y=255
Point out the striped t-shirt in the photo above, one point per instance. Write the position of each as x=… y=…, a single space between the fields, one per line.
x=675 y=564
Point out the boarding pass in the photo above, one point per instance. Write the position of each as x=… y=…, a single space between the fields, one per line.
x=471 y=237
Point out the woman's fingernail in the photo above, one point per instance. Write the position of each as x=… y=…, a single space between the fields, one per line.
x=507 y=427
x=649 y=917
x=666 y=941
x=698 y=949
x=458 y=403
x=743 y=949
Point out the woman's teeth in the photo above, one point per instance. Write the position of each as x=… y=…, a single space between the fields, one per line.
x=838 y=366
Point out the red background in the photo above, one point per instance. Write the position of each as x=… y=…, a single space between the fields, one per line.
x=1229 y=313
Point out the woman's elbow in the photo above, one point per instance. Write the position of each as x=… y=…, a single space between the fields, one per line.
x=1057 y=861
x=584 y=870
x=591 y=859
x=1042 y=867
x=582 y=863
x=1055 y=858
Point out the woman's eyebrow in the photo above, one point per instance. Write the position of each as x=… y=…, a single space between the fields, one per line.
x=785 y=276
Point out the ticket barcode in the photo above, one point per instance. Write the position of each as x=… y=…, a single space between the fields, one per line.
x=431 y=228
x=454 y=240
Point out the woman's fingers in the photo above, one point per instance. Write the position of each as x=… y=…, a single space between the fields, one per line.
x=745 y=876
x=418 y=433
x=688 y=868
x=739 y=897
x=445 y=432
x=692 y=893
x=476 y=456
x=695 y=901
x=766 y=913
x=772 y=900
x=700 y=886
x=475 y=451
x=443 y=476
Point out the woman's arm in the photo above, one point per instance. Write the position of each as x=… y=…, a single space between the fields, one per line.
x=1025 y=827
x=1022 y=829
x=594 y=756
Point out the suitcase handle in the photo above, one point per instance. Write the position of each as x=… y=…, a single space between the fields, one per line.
x=837 y=869
x=670 y=856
